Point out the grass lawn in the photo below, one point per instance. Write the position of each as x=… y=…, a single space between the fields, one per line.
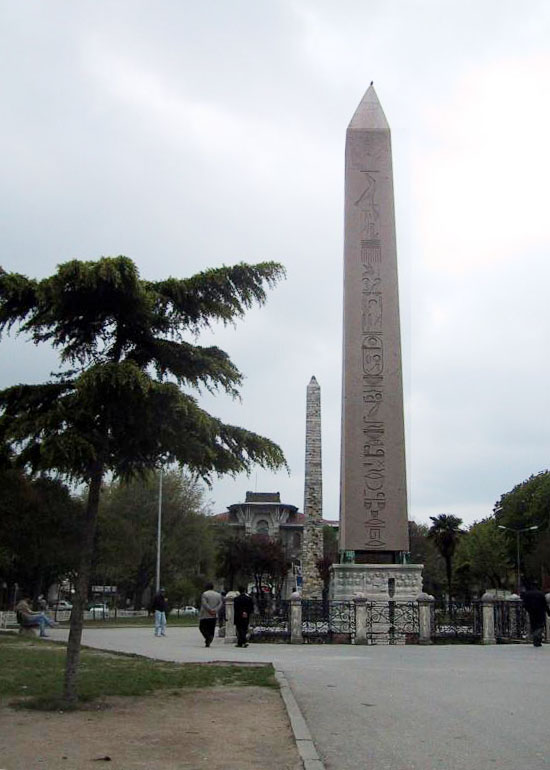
x=138 y=622
x=31 y=671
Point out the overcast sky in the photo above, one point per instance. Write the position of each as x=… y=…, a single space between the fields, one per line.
x=189 y=134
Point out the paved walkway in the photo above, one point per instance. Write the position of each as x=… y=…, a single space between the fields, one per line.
x=453 y=707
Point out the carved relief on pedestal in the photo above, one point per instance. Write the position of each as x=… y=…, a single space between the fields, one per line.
x=377 y=582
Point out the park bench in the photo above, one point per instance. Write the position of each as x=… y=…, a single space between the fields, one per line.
x=26 y=629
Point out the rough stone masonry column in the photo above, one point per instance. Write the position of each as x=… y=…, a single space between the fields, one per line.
x=312 y=547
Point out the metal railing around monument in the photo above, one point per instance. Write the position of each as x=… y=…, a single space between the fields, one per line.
x=270 y=622
x=457 y=620
x=511 y=622
x=392 y=622
x=328 y=622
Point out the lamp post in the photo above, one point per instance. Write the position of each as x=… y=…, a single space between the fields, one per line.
x=159 y=533
x=518 y=532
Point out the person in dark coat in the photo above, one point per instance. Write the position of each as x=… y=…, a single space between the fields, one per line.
x=536 y=607
x=243 y=607
x=159 y=606
x=221 y=616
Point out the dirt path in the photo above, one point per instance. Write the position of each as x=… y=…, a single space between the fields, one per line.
x=225 y=728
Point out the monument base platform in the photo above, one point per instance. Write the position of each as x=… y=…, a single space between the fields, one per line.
x=385 y=599
x=376 y=582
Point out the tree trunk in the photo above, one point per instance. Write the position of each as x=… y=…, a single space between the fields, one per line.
x=449 y=570
x=81 y=584
x=142 y=581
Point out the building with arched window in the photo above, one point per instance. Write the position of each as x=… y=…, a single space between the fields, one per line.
x=262 y=527
x=263 y=513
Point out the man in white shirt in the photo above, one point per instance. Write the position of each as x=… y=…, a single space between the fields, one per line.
x=211 y=604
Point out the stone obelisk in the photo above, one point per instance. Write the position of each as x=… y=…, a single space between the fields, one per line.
x=373 y=492
x=373 y=515
x=312 y=546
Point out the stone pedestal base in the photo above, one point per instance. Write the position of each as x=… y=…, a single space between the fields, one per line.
x=376 y=582
x=386 y=584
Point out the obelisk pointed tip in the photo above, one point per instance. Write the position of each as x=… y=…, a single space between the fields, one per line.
x=369 y=114
x=313 y=380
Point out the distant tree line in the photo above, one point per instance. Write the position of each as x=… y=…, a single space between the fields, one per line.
x=40 y=521
x=464 y=563
x=39 y=533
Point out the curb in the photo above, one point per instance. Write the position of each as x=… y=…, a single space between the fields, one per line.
x=304 y=742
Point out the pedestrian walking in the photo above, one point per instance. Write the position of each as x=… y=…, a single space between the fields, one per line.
x=536 y=607
x=159 y=606
x=243 y=607
x=211 y=604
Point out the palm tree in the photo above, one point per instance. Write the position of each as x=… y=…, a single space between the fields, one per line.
x=445 y=532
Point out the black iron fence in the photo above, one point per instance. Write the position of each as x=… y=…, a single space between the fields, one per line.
x=270 y=623
x=335 y=622
x=511 y=622
x=457 y=620
x=326 y=621
x=392 y=622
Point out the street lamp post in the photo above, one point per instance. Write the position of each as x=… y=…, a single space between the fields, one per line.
x=159 y=534
x=518 y=532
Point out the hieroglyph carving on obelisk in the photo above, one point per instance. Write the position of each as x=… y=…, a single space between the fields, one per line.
x=312 y=547
x=373 y=497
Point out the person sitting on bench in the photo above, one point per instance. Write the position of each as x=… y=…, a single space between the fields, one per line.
x=27 y=618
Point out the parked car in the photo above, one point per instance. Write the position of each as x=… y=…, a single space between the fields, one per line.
x=99 y=611
x=61 y=605
x=188 y=610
